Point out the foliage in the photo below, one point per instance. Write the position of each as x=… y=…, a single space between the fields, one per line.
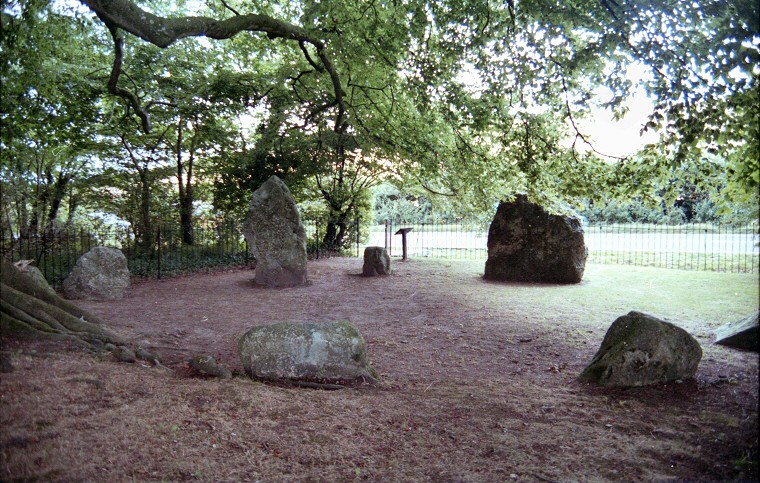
x=47 y=132
x=395 y=205
x=466 y=101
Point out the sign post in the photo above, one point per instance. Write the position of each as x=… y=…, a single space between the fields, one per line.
x=403 y=232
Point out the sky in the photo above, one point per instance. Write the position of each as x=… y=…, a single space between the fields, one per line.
x=622 y=137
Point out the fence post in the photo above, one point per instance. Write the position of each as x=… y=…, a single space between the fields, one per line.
x=358 y=236
x=385 y=234
x=318 y=241
x=158 y=241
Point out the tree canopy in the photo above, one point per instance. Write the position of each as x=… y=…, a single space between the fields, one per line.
x=468 y=100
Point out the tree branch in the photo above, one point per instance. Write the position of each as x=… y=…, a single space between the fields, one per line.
x=578 y=133
x=316 y=66
x=113 y=81
x=230 y=8
x=162 y=31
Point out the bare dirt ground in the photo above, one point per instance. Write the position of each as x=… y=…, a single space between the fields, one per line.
x=478 y=385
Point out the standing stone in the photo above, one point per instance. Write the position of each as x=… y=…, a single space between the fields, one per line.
x=741 y=334
x=326 y=352
x=528 y=244
x=639 y=350
x=276 y=236
x=100 y=274
x=376 y=262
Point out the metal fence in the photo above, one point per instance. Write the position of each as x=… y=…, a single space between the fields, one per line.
x=710 y=247
x=696 y=246
x=55 y=253
x=725 y=248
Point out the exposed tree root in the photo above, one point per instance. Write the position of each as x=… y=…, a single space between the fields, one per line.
x=30 y=310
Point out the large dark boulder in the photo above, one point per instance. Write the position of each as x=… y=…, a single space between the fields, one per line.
x=741 y=334
x=100 y=274
x=639 y=350
x=526 y=243
x=276 y=236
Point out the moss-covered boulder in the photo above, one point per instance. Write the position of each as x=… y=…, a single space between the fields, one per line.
x=639 y=350
x=35 y=274
x=527 y=243
x=334 y=351
x=100 y=274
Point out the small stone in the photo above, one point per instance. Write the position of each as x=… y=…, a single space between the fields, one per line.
x=376 y=262
x=207 y=366
x=123 y=354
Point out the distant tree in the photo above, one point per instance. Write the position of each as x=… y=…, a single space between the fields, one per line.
x=49 y=113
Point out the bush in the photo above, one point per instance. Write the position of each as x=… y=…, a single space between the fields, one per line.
x=676 y=216
x=705 y=211
x=392 y=204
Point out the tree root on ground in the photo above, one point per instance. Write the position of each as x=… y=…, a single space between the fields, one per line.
x=30 y=310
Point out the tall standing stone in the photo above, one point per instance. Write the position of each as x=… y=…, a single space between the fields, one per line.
x=276 y=236
x=526 y=243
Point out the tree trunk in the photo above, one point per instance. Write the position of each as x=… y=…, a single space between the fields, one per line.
x=335 y=234
x=185 y=182
x=23 y=218
x=186 y=219
x=56 y=196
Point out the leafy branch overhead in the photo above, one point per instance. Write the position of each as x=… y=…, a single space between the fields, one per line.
x=163 y=32
x=463 y=101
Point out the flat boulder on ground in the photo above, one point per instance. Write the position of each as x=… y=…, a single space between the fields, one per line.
x=276 y=236
x=307 y=352
x=639 y=350
x=100 y=274
x=376 y=262
x=741 y=334
x=526 y=243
